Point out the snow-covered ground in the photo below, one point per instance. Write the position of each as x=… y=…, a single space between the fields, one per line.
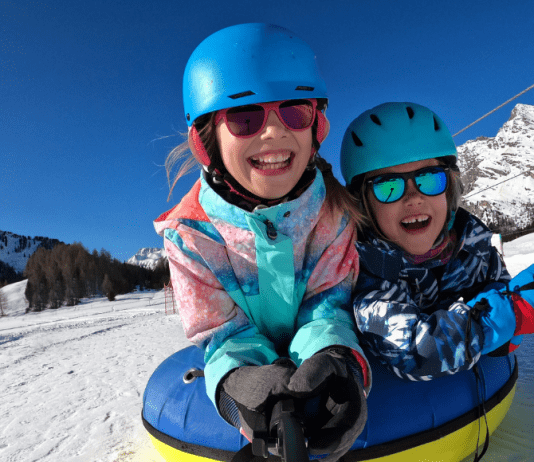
x=72 y=379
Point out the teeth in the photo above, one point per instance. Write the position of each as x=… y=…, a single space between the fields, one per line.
x=262 y=166
x=271 y=158
x=270 y=161
x=415 y=219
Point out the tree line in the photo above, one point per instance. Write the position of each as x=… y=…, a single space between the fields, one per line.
x=20 y=244
x=68 y=272
x=8 y=274
x=502 y=224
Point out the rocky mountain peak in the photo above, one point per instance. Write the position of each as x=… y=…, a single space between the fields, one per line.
x=147 y=257
x=498 y=173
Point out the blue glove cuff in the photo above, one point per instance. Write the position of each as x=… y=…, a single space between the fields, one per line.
x=497 y=321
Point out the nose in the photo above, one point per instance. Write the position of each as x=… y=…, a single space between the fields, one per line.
x=273 y=126
x=412 y=194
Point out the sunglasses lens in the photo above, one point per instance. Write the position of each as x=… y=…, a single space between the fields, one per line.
x=248 y=120
x=245 y=120
x=297 y=114
x=388 y=189
x=432 y=182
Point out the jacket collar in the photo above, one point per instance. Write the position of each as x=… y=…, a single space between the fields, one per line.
x=471 y=235
x=308 y=204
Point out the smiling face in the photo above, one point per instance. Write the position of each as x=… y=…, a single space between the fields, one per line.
x=270 y=163
x=415 y=221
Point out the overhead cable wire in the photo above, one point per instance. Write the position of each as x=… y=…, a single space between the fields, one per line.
x=497 y=184
x=491 y=112
x=483 y=117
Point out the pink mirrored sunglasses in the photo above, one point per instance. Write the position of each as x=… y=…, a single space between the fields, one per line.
x=247 y=121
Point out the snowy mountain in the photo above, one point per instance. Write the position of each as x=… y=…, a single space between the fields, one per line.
x=147 y=257
x=15 y=251
x=490 y=162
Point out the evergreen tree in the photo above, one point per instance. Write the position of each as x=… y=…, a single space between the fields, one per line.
x=162 y=274
x=28 y=293
x=40 y=296
x=3 y=302
x=107 y=288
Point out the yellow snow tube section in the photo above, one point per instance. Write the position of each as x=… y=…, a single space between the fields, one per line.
x=451 y=447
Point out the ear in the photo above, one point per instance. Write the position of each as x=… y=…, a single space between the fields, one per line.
x=197 y=147
x=323 y=127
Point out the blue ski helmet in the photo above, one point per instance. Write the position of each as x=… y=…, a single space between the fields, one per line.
x=247 y=64
x=393 y=134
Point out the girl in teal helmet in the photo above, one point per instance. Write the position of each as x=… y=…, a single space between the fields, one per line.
x=430 y=297
x=261 y=250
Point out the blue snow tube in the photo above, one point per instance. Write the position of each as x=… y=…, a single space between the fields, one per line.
x=408 y=421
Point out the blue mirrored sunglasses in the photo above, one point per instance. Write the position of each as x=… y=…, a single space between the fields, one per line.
x=391 y=187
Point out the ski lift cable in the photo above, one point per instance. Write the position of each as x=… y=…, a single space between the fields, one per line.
x=491 y=112
x=496 y=184
x=483 y=117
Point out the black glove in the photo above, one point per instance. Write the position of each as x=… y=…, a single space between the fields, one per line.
x=335 y=376
x=248 y=394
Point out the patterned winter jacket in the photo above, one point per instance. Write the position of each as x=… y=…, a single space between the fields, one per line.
x=414 y=317
x=251 y=286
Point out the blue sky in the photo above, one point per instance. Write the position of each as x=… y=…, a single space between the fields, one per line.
x=90 y=92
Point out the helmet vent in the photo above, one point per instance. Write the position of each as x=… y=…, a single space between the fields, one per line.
x=375 y=119
x=410 y=112
x=304 y=88
x=436 y=125
x=356 y=140
x=242 y=94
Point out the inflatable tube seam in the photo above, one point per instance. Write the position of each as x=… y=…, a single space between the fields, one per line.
x=373 y=452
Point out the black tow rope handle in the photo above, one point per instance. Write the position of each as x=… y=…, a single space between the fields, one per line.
x=287 y=438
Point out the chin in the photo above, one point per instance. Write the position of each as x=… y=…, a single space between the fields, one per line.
x=273 y=193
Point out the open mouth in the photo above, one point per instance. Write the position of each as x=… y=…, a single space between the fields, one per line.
x=271 y=161
x=416 y=223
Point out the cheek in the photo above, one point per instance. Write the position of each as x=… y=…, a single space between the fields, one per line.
x=441 y=209
x=304 y=140
x=230 y=148
x=223 y=143
x=383 y=216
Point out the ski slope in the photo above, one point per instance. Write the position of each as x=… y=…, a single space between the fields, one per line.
x=72 y=379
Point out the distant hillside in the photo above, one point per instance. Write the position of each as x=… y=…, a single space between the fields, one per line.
x=16 y=250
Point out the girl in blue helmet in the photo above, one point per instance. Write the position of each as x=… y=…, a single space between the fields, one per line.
x=432 y=295
x=261 y=250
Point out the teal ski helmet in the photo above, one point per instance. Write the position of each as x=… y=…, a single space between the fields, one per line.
x=248 y=64
x=393 y=134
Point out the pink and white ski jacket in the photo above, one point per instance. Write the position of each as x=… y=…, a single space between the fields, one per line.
x=253 y=286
